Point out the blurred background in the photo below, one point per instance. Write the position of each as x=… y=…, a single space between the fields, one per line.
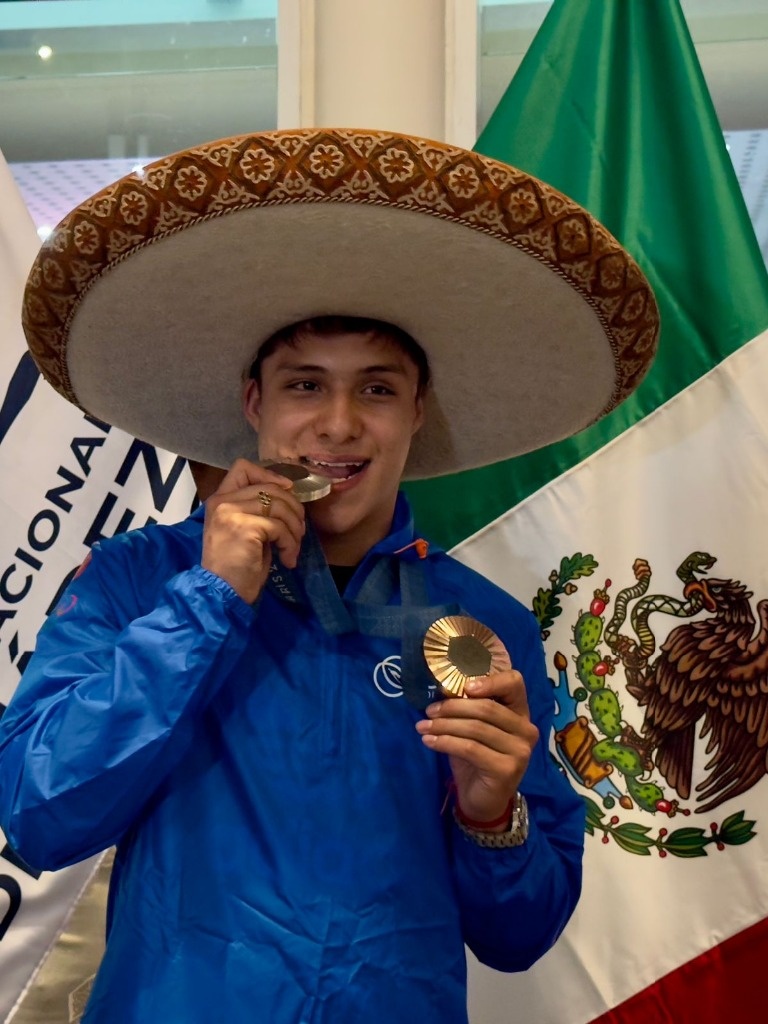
x=90 y=89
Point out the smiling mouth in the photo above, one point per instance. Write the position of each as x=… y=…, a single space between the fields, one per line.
x=336 y=469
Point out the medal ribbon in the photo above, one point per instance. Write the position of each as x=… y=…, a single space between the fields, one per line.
x=370 y=613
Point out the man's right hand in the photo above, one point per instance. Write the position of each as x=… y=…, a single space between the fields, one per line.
x=240 y=528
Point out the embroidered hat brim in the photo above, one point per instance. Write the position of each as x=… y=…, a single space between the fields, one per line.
x=149 y=301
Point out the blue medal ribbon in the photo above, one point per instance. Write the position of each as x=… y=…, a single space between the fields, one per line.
x=371 y=612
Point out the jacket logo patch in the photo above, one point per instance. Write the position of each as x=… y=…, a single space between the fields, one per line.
x=386 y=676
x=64 y=608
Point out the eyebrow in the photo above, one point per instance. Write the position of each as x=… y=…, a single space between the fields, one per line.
x=362 y=372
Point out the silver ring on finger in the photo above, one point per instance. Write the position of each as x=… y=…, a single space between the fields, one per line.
x=266 y=502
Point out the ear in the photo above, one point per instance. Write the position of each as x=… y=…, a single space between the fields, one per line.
x=418 y=419
x=252 y=403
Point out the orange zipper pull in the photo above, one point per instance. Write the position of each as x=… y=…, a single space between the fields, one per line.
x=421 y=545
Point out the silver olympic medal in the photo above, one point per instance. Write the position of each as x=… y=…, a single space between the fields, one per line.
x=307 y=486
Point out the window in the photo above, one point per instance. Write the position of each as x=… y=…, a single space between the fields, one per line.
x=88 y=90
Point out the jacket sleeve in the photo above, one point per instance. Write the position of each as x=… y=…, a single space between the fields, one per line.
x=108 y=704
x=515 y=902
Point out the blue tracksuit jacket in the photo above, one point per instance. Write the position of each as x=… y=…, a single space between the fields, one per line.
x=282 y=856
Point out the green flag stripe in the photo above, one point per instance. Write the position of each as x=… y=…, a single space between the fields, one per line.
x=589 y=112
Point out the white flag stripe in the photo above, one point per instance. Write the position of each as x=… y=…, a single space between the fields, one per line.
x=687 y=422
x=692 y=476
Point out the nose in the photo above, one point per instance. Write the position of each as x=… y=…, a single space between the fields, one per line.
x=339 y=419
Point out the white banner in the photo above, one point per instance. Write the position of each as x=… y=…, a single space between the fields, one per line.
x=66 y=481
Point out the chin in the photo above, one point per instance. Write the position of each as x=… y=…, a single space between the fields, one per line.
x=333 y=521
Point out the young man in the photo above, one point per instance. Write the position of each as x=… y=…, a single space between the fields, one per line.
x=241 y=702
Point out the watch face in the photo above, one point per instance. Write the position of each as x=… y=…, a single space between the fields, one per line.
x=307 y=486
x=458 y=648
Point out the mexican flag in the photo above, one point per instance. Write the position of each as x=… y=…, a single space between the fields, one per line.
x=640 y=544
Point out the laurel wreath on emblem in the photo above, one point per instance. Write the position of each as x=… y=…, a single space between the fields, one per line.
x=707 y=674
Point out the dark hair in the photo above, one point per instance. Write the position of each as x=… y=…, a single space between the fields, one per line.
x=324 y=326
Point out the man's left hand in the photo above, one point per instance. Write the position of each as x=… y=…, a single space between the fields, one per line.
x=489 y=739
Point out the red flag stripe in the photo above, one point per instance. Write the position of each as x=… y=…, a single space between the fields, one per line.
x=726 y=983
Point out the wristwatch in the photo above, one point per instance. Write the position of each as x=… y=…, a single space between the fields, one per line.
x=515 y=835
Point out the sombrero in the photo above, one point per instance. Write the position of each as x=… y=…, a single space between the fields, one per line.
x=147 y=303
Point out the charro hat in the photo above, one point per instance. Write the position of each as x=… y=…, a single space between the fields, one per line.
x=149 y=301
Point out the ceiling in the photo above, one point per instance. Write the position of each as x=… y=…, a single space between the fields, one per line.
x=133 y=90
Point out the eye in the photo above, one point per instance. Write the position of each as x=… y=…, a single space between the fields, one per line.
x=303 y=385
x=379 y=390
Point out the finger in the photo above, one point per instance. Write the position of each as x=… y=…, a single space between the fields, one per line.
x=508 y=688
x=288 y=541
x=491 y=736
x=500 y=715
x=252 y=491
x=284 y=541
x=270 y=532
x=506 y=768
x=244 y=473
x=282 y=527
x=250 y=501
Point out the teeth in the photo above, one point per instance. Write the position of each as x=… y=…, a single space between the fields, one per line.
x=334 y=465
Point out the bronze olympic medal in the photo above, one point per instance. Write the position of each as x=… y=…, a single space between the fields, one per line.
x=307 y=486
x=458 y=648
